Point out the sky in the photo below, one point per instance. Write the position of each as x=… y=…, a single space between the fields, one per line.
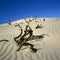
x=18 y=9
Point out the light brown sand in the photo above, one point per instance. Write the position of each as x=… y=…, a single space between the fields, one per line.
x=49 y=46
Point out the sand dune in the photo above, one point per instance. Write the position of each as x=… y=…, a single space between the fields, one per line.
x=49 y=46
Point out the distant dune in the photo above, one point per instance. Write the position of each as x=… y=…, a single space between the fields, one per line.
x=48 y=47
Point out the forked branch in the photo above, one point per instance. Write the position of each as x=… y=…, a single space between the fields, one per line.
x=22 y=39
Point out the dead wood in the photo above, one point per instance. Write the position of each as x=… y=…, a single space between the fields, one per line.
x=4 y=40
x=23 y=40
x=39 y=26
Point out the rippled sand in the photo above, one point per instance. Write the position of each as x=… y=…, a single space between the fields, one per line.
x=49 y=46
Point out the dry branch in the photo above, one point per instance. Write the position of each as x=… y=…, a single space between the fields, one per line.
x=19 y=34
x=4 y=40
x=22 y=39
x=27 y=22
x=39 y=26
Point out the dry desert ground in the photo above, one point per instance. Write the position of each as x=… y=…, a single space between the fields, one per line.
x=48 y=46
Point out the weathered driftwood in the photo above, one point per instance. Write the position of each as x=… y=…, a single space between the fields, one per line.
x=10 y=22
x=43 y=19
x=33 y=37
x=22 y=41
x=27 y=22
x=30 y=20
x=4 y=40
x=19 y=34
x=39 y=26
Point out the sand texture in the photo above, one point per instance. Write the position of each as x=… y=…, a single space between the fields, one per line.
x=48 y=47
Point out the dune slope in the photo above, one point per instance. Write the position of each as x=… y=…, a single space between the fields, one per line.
x=49 y=46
